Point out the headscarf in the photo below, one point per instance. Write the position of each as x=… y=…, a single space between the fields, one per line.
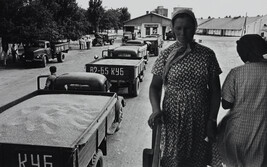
x=184 y=12
x=180 y=51
x=252 y=48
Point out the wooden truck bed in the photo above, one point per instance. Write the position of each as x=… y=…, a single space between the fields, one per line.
x=50 y=120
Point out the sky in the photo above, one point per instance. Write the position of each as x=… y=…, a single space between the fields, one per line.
x=201 y=8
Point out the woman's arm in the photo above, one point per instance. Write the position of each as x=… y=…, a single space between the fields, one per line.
x=155 y=92
x=215 y=99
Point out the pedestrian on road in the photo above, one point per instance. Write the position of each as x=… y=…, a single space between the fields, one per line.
x=14 y=52
x=189 y=75
x=242 y=133
x=51 y=78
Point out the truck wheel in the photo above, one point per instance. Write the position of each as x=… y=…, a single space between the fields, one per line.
x=136 y=87
x=44 y=61
x=60 y=57
x=111 y=42
x=119 y=119
x=97 y=160
x=116 y=125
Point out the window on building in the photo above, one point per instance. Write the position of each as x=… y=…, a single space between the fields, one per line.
x=155 y=30
x=147 y=30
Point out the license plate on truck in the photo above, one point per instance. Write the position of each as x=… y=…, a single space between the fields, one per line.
x=34 y=156
x=113 y=71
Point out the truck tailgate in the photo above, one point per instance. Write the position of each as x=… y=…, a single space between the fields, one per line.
x=116 y=68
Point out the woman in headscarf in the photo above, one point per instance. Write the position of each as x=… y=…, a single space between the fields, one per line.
x=189 y=74
x=243 y=131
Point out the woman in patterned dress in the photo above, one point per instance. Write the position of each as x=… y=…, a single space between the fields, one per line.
x=243 y=131
x=189 y=74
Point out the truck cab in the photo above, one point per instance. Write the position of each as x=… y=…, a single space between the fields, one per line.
x=131 y=51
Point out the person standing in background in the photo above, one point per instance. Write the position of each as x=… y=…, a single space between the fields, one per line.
x=242 y=133
x=51 y=78
x=189 y=75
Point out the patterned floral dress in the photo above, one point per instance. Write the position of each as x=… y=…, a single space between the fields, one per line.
x=186 y=106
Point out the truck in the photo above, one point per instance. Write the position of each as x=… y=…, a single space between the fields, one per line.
x=122 y=72
x=154 y=45
x=42 y=51
x=103 y=38
x=128 y=35
x=128 y=50
x=59 y=127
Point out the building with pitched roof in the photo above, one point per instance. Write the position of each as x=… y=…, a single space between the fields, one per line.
x=150 y=23
x=235 y=26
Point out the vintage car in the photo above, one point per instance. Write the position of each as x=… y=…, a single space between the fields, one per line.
x=103 y=38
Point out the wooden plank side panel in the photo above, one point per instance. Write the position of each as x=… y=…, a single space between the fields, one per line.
x=87 y=151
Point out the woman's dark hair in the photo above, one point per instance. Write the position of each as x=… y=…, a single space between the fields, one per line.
x=251 y=47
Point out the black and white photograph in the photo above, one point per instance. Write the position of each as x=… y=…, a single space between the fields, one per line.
x=123 y=83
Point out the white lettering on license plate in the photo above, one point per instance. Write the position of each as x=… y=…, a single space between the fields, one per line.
x=34 y=160
x=107 y=71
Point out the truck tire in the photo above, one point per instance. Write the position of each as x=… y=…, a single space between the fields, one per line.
x=119 y=120
x=111 y=42
x=97 y=160
x=136 y=87
x=60 y=57
x=44 y=61
x=116 y=125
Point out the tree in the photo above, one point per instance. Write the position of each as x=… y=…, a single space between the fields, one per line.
x=124 y=16
x=109 y=20
x=95 y=13
x=9 y=9
x=35 y=22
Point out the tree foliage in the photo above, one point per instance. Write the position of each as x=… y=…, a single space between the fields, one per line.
x=124 y=16
x=22 y=21
x=95 y=13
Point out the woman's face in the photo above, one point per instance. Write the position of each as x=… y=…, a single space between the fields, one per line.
x=184 y=29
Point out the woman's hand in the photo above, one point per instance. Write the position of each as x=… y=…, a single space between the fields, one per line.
x=212 y=130
x=153 y=117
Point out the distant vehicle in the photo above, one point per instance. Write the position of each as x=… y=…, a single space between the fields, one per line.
x=132 y=51
x=170 y=36
x=122 y=71
x=160 y=39
x=128 y=35
x=154 y=46
x=41 y=51
x=103 y=38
